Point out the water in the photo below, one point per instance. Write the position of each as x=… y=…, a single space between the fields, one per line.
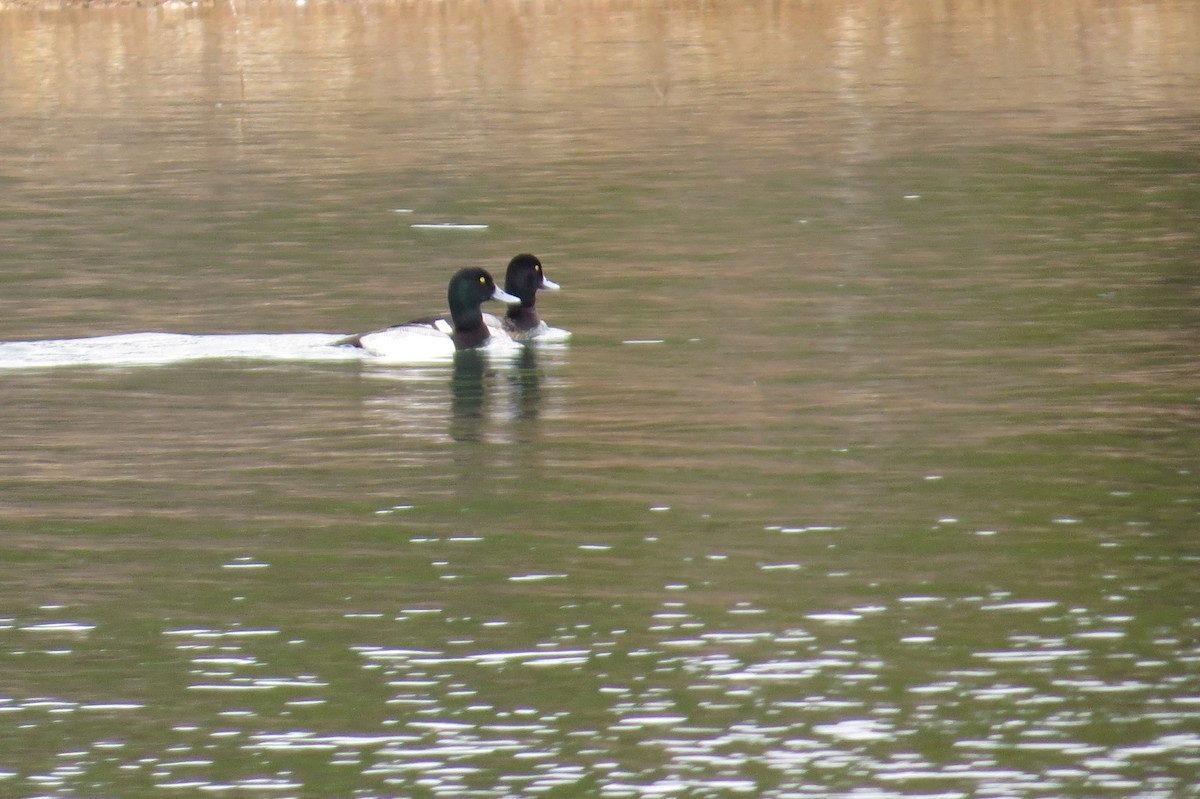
x=869 y=469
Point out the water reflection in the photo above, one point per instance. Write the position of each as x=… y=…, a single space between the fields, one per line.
x=688 y=696
x=477 y=399
x=467 y=397
x=901 y=502
x=503 y=404
x=526 y=383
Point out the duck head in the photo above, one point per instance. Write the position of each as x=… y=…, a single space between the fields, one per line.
x=468 y=290
x=524 y=276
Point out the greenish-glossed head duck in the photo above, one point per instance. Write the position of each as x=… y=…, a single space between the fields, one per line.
x=469 y=289
x=420 y=338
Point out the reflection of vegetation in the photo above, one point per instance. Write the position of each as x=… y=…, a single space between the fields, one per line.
x=923 y=484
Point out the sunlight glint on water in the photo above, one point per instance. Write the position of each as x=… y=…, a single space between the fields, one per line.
x=868 y=470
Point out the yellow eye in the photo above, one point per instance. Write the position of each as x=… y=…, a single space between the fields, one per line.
x=482 y=280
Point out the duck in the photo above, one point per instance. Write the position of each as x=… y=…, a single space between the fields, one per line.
x=435 y=337
x=523 y=277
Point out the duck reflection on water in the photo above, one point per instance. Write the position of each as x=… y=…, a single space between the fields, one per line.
x=489 y=401
x=517 y=394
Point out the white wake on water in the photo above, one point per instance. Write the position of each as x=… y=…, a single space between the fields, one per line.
x=156 y=349
x=152 y=349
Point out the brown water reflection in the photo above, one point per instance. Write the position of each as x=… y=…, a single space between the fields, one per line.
x=869 y=469
x=263 y=130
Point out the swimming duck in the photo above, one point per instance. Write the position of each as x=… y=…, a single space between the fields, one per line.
x=434 y=337
x=522 y=279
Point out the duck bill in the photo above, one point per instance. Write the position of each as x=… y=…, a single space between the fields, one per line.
x=549 y=284
x=503 y=296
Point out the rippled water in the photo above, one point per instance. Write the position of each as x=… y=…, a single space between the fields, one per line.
x=869 y=469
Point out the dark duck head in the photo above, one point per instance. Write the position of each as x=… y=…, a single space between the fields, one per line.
x=522 y=279
x=468 y=290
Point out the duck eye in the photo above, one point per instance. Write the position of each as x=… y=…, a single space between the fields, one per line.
x=482 y=281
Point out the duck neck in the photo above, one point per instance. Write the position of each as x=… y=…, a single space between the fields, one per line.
x=523 y=316
x=469 y=329
x=474 y=337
